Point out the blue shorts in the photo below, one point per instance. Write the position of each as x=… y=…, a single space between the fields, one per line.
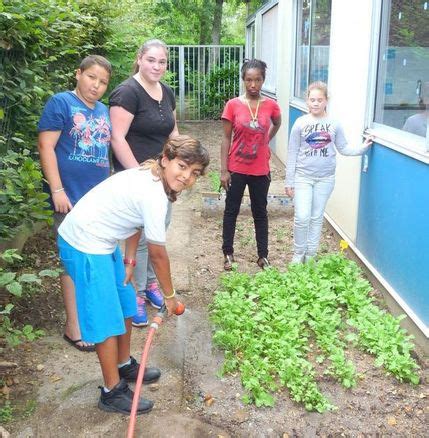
x=102 y=300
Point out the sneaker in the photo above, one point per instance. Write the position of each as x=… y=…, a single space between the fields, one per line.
x=263 y=262
x=228 y=262
x=120 y=399
x=154 y=295
x=308 y=258
x=140 y=320
x=297 y=258
x=129 y=372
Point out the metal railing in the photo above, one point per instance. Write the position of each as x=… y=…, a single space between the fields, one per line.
x=203 y=78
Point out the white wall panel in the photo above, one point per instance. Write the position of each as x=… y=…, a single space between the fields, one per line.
x=348 y=87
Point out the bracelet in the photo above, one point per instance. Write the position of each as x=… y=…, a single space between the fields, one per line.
x=131 y=262
x=170 y=296
x=61 y=189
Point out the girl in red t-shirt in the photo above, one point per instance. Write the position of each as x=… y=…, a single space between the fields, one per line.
x=250 y=121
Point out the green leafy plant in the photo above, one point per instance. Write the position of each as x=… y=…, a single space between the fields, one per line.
x=43 y=42
x=6 y=412
x=22 y=201
x=278 y=328
x=220 y=85
x=18 y=285
x=214 y=178
x=15 y=336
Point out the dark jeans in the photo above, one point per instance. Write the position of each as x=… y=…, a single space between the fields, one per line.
x=258 y=191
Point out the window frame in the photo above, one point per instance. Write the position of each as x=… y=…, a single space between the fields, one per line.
x=270 y=91
x=409 y=144
x=295 y=100
x=251 y=39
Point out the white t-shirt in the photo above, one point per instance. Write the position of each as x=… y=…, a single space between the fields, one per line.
x=115 y=210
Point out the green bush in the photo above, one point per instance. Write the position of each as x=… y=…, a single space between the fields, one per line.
x=220 y=85
x=22 y=201
x=42 y=44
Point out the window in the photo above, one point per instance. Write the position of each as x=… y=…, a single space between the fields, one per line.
x=402 y=95
x=312 y=45
x=250 y=41
x=269 y=47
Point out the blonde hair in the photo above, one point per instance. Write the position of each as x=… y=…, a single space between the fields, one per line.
x=145 y=47
x=318 y=85
x=183 y=147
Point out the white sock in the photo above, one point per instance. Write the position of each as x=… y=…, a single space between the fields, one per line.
x=128 y=362
x=106 y=390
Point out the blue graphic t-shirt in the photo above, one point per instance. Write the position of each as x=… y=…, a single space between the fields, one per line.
x=82 y=149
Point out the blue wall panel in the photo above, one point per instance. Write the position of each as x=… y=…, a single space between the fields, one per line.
x=393 y=222
x=294 y=113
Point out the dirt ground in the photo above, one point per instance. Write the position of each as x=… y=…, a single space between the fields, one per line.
x=54 y=387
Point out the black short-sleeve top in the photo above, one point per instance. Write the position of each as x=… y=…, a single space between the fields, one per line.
x=153 y=120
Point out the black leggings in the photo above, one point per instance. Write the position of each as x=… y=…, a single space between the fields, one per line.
x=258 y=191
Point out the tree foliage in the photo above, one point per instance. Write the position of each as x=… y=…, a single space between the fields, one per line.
x=42 y=43
x=186 y=22
x=409 y=25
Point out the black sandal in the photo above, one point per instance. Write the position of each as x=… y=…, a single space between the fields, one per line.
x=263 y=262
x=228 y=261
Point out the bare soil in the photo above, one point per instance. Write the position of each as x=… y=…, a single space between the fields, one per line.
x=54 y=392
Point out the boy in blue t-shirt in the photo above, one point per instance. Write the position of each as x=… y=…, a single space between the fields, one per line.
x=74 y=141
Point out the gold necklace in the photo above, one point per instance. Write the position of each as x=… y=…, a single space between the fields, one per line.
x=254 y=117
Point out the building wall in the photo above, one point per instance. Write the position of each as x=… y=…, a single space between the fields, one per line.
x=392 y=225
x=381 y=209
x=348 y=88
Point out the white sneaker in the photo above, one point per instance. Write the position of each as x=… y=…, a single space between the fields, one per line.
x=297 y=258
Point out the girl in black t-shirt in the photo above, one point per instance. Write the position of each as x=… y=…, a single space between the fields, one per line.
x=143 y=117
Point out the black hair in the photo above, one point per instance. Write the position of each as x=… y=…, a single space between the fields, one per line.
x=253 y=63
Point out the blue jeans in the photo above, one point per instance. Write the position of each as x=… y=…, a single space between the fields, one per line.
x=311 y=196
x=144 y=273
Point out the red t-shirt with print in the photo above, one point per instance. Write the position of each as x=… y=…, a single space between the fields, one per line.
x=250 y=150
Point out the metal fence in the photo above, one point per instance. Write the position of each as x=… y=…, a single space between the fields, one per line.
x=203 y=79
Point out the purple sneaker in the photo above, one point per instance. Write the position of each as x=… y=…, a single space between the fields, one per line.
x=140 y=320
x=154 y=295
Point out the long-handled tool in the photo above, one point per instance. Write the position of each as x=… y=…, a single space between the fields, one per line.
x=152 y=329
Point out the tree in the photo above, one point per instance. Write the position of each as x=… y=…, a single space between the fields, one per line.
x=251 y=6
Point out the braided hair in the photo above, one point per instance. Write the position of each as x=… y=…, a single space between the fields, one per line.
x=253 y=63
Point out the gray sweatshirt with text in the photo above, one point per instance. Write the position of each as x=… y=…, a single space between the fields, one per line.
x=313 y=145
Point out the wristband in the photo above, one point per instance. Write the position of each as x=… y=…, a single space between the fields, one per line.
x=61 y=189
x=131 y=262
x=170 y=296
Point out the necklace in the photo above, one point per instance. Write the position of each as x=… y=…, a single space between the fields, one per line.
x=254 y=116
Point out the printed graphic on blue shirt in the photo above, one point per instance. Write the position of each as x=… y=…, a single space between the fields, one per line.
x=82 y=149
x=91 y=136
